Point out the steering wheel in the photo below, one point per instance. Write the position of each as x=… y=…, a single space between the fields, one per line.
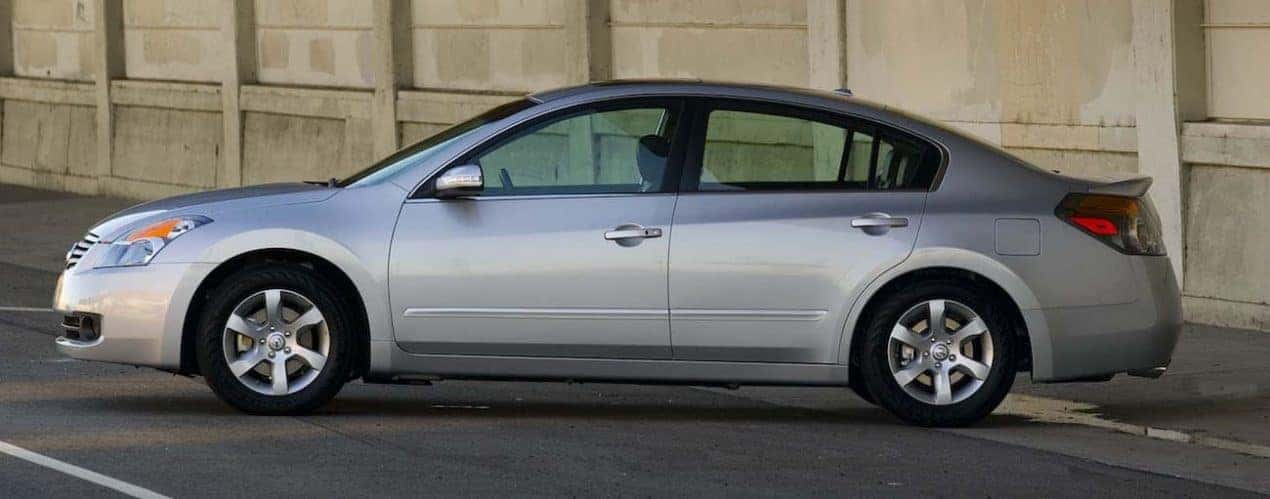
x=507 y=179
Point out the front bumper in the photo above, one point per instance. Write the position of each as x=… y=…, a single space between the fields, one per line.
x=1138 y=337
x=140 y=310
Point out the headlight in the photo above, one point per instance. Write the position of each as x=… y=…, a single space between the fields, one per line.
x=139 y=246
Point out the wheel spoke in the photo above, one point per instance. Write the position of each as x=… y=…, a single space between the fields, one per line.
x=908 y=337
x=273 y=306
x=937 y=316
x=971 y=329
x=243 y=326
x=247 y=362
x=943 y=387
x=313 y=359
x=975 y=368
x=910 y=373
x=279 y=376
x=311 y=318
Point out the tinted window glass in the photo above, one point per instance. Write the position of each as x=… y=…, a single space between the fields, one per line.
x=761 y=151
x=617 y=151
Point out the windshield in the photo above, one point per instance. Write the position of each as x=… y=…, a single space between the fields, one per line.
x=424 y=149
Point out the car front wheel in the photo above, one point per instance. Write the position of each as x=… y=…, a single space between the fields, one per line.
x=274 y=339
x=939 y=353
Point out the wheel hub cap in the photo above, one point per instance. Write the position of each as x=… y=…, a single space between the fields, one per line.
x=939 y=352
x=276 y=341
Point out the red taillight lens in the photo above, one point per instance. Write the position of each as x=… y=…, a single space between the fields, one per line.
x=1096 y=226
x=1127 y=224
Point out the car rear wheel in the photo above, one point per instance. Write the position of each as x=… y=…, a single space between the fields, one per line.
x=939 y=353
x=275 y=340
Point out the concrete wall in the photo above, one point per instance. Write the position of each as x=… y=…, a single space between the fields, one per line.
x=146 y=98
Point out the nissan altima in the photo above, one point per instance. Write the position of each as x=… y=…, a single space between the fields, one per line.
x=676 y=232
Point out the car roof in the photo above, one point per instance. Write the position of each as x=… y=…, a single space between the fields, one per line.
x=839 y=100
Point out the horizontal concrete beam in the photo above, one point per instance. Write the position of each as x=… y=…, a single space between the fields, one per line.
x=319 y=103
x=50 y=91
x=1229 y=144
x=445 y=107
x=166 y=95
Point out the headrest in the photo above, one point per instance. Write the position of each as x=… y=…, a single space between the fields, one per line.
x=650 y=156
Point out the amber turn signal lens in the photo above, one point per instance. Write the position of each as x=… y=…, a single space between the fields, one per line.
x=159 y=230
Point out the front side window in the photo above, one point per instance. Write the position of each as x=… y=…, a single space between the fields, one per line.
x=748 y=151
x=594 y=152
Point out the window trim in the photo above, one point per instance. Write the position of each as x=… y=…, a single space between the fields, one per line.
x=701 y=108
x=674 y=161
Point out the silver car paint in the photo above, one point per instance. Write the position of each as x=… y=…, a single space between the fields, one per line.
x=1088 y=310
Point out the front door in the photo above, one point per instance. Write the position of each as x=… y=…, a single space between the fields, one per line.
x=564 y=252
x=785 y=215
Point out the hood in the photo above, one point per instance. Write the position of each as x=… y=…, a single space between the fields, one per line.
x=207 y=203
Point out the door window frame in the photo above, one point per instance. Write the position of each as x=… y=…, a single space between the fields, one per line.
x=700 y=121
x=671 y=179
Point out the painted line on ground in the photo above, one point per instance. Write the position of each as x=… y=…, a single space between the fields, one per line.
x=24 y=309
x=80 y=473
x=1048 y=410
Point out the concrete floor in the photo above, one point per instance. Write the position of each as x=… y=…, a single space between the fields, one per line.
x=1207 y=419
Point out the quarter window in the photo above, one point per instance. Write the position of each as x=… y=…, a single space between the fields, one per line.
x=596 y=152
x=762 y=151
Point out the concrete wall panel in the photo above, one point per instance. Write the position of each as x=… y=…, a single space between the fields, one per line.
x=167 y=146
x=172 y=39
x=315 y=42
x=492 y=45
x=1002 y=61
x=1226 y=240
x=53 y=39
x=747 y=41
x=280 y=148
x=50 y=138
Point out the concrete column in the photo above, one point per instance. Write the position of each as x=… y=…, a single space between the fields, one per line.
x=239 y=51
x=827 y=44
x=108 y=64
x=6 y=37
x=589 y=45
x=1159 y=112
x=394 y=62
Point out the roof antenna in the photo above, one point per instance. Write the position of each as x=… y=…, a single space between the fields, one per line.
x=844 y=91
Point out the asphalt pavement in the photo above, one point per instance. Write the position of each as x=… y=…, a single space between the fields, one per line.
x=1199 y=431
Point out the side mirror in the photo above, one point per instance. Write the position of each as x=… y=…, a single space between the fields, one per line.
x=460 y=180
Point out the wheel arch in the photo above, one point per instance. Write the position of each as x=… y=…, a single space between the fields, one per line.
x=337 y=275
x=929 y=263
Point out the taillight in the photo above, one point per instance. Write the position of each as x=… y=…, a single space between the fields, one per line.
x=1127 y=224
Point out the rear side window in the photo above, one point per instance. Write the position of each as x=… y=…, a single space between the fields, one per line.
x=785 y=149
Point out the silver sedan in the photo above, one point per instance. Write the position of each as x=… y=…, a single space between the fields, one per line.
x=645 y=232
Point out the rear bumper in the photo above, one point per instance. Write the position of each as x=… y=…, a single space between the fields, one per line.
x=1137 y=337
x=140 y=312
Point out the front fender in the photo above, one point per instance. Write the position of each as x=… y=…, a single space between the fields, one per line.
x=971 y=261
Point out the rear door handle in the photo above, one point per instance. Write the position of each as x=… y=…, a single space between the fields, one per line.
x=632 y=232
x=878 y=220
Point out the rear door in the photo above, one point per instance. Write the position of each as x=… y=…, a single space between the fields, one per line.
x=784 y=215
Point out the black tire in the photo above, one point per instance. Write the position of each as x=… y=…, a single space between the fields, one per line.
x=886 y=391
x=857 y=385
x=290 y=277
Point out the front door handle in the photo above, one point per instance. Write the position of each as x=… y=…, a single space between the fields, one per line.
x=878 y=223
x=632 y=232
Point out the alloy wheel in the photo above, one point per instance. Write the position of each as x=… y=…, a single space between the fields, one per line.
x=276 y=342
x=940 y=352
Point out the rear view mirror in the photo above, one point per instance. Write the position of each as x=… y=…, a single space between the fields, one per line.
x=458 y=181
